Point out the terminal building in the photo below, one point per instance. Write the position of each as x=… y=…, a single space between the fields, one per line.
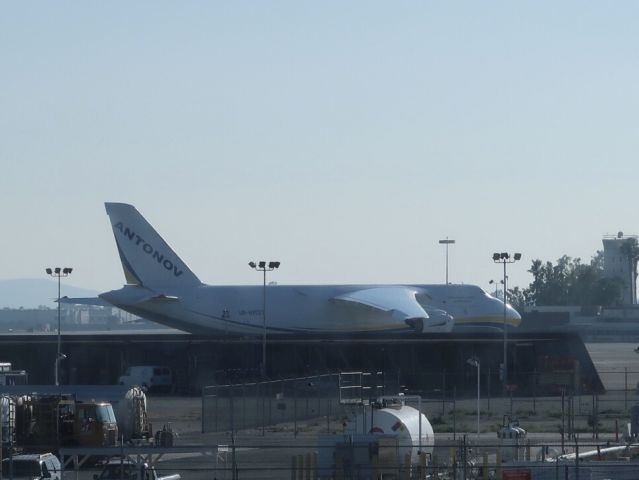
x=430 y=365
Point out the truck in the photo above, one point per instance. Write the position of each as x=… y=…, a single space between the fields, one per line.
x=39 y=466
x=126 y=469
x=8 y=376
x=148 y=377
x=129 y=404
x=62 y=420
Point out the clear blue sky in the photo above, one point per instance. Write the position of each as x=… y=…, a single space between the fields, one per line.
x=341 y=138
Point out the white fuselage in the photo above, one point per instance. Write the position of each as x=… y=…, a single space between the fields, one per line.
x=162 y=288
x=304 y=309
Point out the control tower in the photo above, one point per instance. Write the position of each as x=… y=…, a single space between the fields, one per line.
x=617 y=264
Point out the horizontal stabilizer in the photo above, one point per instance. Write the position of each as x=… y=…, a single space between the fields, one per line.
x=160 y=299
x=135 y=295
x=85 y=301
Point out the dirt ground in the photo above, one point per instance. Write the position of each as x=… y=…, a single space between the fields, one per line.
x=617 y=364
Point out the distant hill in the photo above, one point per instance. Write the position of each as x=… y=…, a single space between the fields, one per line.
x=33 y=292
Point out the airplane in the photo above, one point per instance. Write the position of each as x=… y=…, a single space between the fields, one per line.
x=160 y=287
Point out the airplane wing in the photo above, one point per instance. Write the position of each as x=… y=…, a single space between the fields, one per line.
x=400 y=302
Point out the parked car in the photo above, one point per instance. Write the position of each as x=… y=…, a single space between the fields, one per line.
x=32 y=466
x=149 y=377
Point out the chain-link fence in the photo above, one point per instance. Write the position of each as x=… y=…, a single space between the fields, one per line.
x=257 y=405
x=450 y=402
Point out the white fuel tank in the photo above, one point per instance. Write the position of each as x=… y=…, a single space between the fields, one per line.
x=400 y=420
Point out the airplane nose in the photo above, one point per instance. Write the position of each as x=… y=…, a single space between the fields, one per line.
x=508 y=315
x=513 y=317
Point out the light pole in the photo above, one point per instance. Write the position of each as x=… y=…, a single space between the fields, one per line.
x=475 y=363
x=504 y=258
x=263 y=267
x=58 y=273
x=446 y=242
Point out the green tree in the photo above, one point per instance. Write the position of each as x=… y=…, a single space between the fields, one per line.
x=518 y=298
x=608 y=292
x=597 y=261
x=570 y=282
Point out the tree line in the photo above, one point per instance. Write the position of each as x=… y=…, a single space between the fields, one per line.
x=570 y=282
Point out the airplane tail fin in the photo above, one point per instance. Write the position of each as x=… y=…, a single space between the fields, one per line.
x=146 y=258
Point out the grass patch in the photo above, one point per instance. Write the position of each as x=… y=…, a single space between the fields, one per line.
x=439 y=420
x=613 y=412
x=525 y=413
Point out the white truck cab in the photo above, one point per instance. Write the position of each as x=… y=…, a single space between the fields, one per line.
x=33 y=466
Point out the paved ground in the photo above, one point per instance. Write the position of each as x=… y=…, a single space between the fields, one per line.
x=269 y=456
x=612 y=360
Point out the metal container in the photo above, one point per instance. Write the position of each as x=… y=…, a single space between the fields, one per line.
x=401 y=420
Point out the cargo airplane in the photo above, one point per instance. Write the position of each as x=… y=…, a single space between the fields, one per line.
x=161 y=287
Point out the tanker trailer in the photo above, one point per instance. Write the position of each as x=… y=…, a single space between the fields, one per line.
x=129 y=405
x=130 y=412
x=7 y=423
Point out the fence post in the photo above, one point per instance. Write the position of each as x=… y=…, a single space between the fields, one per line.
x=328 y=406
x=573 y=415
x=511 y=402
x=576 y=458
x=260 y=389
x=232 y=410
x=625 y=390
x=453 y=457
x=488 y=390
x=563 y=419
x=464 y=458
x=592 y=414
x=444 y=391
x=202 y=428
x=244 y=405
x=534 y=391
x=597 y=416
x=294 y=411
x=319 y=399
x=454 y=412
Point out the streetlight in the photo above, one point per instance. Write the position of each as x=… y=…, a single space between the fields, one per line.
x=474 y=361
x=504 y=258
x=58 y=273
x=446 y=242
x=263 y=267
